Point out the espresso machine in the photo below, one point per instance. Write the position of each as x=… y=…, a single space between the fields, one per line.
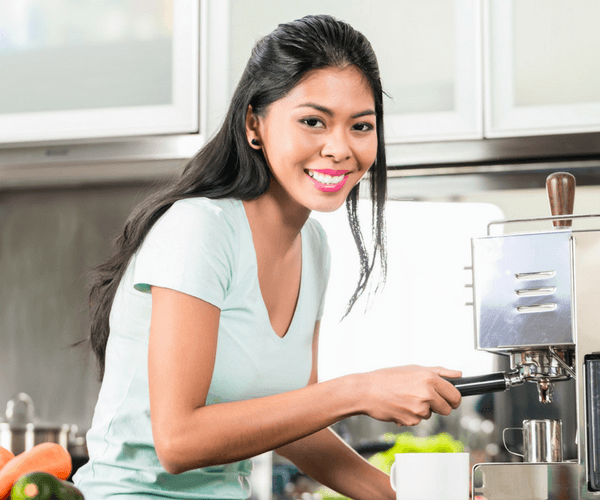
x=536 y=300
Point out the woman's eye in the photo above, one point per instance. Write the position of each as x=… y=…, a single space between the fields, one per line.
x=363 y=127
x=313 y=122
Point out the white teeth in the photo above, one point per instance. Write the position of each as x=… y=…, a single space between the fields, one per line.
x=324 y=178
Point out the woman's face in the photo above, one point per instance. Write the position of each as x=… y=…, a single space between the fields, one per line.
x=321 y=138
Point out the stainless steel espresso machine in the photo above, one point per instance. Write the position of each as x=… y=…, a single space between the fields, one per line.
x=536 y=299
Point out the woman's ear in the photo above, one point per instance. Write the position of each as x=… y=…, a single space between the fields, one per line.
x=252 y=132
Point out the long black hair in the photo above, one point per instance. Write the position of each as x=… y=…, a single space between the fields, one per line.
x=227 y=167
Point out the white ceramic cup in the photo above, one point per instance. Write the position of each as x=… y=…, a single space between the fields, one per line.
x=425 y=476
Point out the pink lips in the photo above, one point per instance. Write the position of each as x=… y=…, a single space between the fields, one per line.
x=328 y=188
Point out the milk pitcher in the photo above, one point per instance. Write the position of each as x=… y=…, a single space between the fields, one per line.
x=542 y=441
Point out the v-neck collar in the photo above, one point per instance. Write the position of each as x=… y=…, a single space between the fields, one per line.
x=257 y=282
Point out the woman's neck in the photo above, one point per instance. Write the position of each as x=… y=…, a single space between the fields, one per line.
x=275 y=218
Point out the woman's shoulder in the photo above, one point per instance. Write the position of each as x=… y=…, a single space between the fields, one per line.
x=194 y=221
x=316 y=239
x=226 y=207
x=193 y=237
x=315 y=231
x=202 y=213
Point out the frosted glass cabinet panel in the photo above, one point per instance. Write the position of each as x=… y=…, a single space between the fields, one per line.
x=76 y=70
x=428 y=51
x=542 y=67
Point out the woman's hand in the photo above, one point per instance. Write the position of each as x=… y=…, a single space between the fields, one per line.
x=406 y=395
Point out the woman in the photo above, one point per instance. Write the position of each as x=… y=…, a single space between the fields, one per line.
x=214 y=297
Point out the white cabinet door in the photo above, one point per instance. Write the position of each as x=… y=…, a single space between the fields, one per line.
x=542 y=67
x=429 y=54
x=78 y=70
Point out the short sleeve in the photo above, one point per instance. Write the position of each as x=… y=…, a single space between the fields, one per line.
x=189 y=249
x=324 y=263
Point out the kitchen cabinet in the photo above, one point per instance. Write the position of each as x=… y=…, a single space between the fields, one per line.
x=90 y=70
x=542 y=70
x=429 y=56
x=461 y=69
x=123 y=69
x=129 y=90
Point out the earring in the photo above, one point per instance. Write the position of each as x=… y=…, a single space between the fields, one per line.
x=255 y=142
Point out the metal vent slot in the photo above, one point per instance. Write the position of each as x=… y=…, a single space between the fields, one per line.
x=541 y=275
x=536 y=292
x=537 y=308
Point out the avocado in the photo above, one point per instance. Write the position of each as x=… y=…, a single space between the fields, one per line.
x=44 y=486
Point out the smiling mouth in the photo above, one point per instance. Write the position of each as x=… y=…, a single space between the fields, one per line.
x=327 y=176
x=328 y=180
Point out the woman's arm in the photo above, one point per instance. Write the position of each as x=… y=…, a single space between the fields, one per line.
x=326 y=458
x=188 y=435
x=330 y=461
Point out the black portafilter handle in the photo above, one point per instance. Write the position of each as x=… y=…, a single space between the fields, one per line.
x=481 y=384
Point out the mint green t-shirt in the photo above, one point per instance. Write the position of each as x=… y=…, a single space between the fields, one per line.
x=203 y=248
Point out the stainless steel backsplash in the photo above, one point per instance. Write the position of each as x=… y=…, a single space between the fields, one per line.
x=49 y=240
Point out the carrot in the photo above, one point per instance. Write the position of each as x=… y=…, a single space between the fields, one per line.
x=44 y=457
x=5 y=456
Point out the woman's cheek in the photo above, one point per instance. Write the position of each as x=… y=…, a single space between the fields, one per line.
x=370 y=155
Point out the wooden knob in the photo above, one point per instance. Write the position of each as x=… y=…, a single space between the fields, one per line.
x=561 y=194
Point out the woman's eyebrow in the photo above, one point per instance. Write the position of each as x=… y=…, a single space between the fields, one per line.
x=366 y=112
x=329 y=112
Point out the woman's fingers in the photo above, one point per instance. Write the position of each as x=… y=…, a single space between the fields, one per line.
x=444 y=372
x=441 y=406
x=448 y=393
x=446 y=390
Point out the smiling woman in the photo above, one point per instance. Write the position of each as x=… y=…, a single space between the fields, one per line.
x=322 y=134
x=206 y=320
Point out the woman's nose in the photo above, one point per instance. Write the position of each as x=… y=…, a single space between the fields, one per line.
x=336 y=146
